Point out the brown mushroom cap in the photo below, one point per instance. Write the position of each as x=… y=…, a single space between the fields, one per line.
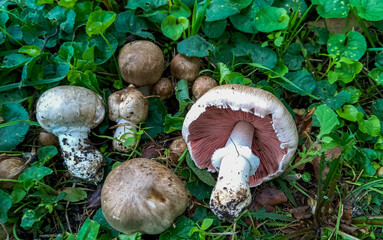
x=210 y=121
x=141 y=63
x=183 y=67
x=203 y=84
x=46 y=139
x=10 y=168
x=177 y=148
x=164 y=88
x=142 y=195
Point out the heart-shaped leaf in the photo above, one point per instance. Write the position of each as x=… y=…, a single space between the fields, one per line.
x=173 y=27
x=352 y=46
x=371 y=10
x=99 y=21
x=270 y=19
x=332 y=8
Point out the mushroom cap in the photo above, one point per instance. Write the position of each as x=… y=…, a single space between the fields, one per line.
x=141 y=63
x=129 y=104
x=69 y=107
x=183 y=67
x=142 y=195
x=210 y=121
x=164 y=88
x=203 y=84
x=10 y=168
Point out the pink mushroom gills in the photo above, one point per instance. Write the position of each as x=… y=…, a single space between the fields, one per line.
x=246 y=134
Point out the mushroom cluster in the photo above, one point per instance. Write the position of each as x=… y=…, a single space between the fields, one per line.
x=246 y=134
x=70 y=112
x=142 y=195
x=127 y=107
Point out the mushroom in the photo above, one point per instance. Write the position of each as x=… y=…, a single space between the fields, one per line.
x=47 y=139
x=70 y=112
x=246 y=134
x=163 y=88
x=10 y=168
x=142 y=195
x=183 y=67
x=127 y=107
x=141 y=63
x=203 y=84
x=177 y=148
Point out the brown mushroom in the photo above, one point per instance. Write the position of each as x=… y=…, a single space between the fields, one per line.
x=141 y=63
x=10 y=168
x=182 y=67
x=177 y=148
x=163 y=88
x=203 y=84
x=142 y=195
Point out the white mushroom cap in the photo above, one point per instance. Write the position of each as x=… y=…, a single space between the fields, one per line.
x=67 y=107
x=142 y=195
x=129 y=104
x=209 y=122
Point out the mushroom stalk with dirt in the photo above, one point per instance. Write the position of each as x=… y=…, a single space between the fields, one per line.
x=127 y=107
x=70 y=112
x=244 y=133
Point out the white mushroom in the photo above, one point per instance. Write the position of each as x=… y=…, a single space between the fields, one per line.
x=70 y=112
x=246 y=134
x=127 y=107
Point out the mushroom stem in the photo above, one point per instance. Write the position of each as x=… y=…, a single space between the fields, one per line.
x=236 y=163
x=80 y=156
x=122 y=133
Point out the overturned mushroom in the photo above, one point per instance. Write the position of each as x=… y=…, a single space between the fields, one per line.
x=10 y=168
x=246 y=134
x=142 y=195
x=141 y=63
x=70 y=112
x=183 y=67
x=127 y=107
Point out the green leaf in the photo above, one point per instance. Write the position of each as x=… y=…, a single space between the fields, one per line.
x=89 y=230
x=199 y=189
x=67 y=3
x=327 y=119
x=324 y=89
x=352 y=46
x=194 y=46
x=338 y=100
x=17 y=195
x=180 y=231
x=377 y=108
x=350 y=113
x=214 y=29
x=99 y=21
x=270 y=19
x=156 y=117
x=85 y=79
x=370 y=126
x=221 y=9
x=262 y=215
x=346 y=69
x=15 y=60
x=5 y=205
x=134 y=236
x=32 y=51
x=32 y=174
x=293 y=57
x=74 y=194
x=172 y=124
x=14 y=134
x=179 y=9
x=207 y=222
x=28 y=219
x=127 y=22
x=146 y=5
x=354 y=92
x=45 y=154
x=371 y=10
x=292 y=5
x=302 y=79
x=332 y=8
x=40 y=2
x=262 y=55
x=244 y=21
x=173 y=27
x=377 y=75
x=202 y=174
x=83 y=10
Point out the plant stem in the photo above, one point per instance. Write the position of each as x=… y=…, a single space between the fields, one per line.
x=114 y=58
